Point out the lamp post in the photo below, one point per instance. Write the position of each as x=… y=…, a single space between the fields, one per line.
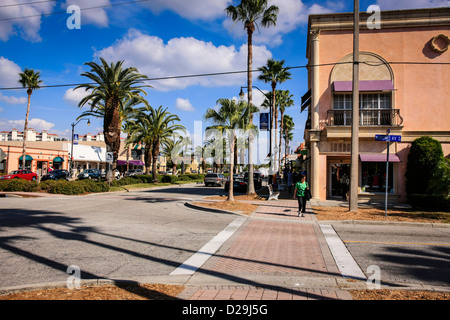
x=71 y=150
x=241 y=95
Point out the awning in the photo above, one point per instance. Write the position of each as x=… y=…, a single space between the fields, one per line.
x=27 y=158
x=58 y=159
x=132 y=162
x=365 y=85
x=378 y=157
x=306 y=100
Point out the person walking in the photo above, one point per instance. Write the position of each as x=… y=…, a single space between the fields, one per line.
x=300 y=193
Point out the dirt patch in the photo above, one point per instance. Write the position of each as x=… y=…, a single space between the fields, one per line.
x=105 y=292
x=386 y=294
x=233 y=206
x=376 y=214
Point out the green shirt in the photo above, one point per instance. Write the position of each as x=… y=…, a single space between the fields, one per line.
x=301 y=187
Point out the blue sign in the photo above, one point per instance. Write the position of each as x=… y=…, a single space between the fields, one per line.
x=384 y=137
x=264 y=121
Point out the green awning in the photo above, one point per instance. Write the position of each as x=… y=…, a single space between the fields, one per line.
x=27 y=158
x=58 y=159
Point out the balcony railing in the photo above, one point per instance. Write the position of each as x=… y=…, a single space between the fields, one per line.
x=367 y=117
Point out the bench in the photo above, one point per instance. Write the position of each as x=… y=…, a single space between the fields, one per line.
x=272 y=195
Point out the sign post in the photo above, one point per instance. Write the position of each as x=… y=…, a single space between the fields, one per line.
x=388 y=138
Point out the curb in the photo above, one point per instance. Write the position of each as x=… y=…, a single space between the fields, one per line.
x=384 y=223
x=208 y=209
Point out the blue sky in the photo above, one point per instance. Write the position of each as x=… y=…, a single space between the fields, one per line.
x=161 y=38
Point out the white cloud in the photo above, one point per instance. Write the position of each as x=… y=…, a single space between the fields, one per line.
x=35 y=123
x=291 y=15
x=12 y=100
x=28 y=27
x=411 y=4
x=97 y=17
x=183 y=56
x=73 y=97
x=184 y=104
x=9 y=72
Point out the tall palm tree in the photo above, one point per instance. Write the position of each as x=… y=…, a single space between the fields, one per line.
x=274 y=72
x=154 y=128
x=30 y=80
x=288 y=135
x=252 y=13
x=285 y=101
x=113 y=87
x=228 y=119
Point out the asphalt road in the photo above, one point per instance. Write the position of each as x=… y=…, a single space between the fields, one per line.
x=416 y=255
x=112 y=235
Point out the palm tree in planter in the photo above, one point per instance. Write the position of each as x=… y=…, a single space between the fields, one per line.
x=113 y=87
x=288 y=135
x=29 y=80
x=274 y=72
x=228 y=119
x=154 y=128
x=252 y=13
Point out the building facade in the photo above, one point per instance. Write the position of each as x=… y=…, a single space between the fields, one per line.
x=404 y=84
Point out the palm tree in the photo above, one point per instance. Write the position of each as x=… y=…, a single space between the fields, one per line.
x=227 y=119
x=113 y=87
x=154 y=128
x=252 y=13
x=30 y=80
x=288 y=135
x=274 y=72
x=285 y=101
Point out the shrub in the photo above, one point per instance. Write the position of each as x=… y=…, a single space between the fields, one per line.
x=94 y=186
x=169 y=178
x=428 y=202
x=18 y=185
x=67 y=187
x=423 y=157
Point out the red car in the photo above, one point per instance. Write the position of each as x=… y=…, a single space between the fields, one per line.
x=20 y=174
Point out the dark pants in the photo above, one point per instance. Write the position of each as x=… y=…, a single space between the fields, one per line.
x=301 y=203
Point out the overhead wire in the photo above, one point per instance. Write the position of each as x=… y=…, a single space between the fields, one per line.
x=237 y=72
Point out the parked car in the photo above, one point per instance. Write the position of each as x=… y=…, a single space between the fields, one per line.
x=21 y=174
x=133 y=172
x=214 y=179
x=90 y=174
x=257 y=179
x=56 y=175
x=239 y=185
x=116 y=174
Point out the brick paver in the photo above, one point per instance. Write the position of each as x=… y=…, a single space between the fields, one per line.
x=273 y=242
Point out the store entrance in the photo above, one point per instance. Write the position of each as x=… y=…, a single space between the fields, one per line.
x=340 y=180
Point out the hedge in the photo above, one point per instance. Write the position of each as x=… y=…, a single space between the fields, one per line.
x=428 y=202
x=87 y=186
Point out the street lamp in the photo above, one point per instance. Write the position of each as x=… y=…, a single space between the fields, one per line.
x=242 y=95
x=71 y=150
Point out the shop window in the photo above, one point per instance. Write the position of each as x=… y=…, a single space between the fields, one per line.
x=373 y=175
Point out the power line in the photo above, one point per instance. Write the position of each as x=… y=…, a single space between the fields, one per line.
x=25 y=3
x=237 y=72
x=65 y=12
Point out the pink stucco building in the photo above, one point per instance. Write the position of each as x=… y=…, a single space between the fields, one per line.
x=404 y=86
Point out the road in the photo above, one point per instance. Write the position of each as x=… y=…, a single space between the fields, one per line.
x=416 y=255
x=111 y=235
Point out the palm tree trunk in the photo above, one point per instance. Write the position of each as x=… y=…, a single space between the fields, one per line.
x=111 y=129
x=251 y=185
x=155 y=153
x=230 y=186
x=281 y=136
x=25 y=129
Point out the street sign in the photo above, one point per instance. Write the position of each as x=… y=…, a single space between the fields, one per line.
x=391 y=138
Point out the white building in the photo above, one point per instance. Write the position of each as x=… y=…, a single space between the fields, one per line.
x=32 y=135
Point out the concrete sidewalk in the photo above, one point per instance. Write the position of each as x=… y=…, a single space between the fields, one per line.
x=275 y=255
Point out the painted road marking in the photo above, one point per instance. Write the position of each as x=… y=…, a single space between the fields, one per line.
x=344 y=260
x=200 y=257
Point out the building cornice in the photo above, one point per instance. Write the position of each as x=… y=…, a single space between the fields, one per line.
x=430 y=17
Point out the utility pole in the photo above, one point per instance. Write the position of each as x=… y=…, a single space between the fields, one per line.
x=355 y=113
